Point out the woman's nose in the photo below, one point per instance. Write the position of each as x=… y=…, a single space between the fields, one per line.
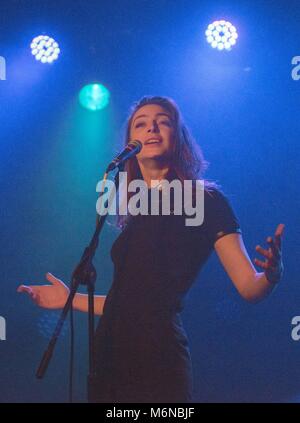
x=153 y=127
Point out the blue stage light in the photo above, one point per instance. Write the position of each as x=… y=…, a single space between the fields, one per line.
x=221 y=35
x=45 y=49
x=94 y=97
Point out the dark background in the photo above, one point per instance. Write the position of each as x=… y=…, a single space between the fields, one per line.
x=243 y=109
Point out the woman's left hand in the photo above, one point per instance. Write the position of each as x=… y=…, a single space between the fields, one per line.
x=273 y=266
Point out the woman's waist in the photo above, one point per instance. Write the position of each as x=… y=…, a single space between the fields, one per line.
x=143 y=319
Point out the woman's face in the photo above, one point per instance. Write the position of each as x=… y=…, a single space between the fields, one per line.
x=154 y=127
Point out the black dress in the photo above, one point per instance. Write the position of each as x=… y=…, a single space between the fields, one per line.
x=142 y=352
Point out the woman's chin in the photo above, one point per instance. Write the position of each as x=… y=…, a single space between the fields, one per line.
x=151 y=160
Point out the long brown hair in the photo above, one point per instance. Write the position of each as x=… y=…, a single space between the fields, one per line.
x=187 y=161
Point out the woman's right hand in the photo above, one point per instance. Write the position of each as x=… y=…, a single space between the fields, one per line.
x=47 y=296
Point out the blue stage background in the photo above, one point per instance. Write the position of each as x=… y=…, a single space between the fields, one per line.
x=243 y=109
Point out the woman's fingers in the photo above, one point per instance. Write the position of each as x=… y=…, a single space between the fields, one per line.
x=262 y=264
x=55 y=281
x=51 y=296
x=31 y=291
x=273 y=254
x=264 y=252
x=279 y=234
x=274 y=249
x=266 y=265
x=273 y=263
x=24 y=288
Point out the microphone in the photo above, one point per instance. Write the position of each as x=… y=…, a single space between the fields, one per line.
x=131 y=149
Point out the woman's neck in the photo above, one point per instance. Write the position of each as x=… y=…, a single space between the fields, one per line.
x=153 y=171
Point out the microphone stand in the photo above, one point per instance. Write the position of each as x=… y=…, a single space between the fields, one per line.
x=85 y=274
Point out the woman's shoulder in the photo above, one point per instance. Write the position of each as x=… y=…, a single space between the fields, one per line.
x=216 y=198
x=215 y=192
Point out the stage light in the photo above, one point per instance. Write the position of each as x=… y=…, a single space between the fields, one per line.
x=94 y=97
x=221 y=35
x=45 y=49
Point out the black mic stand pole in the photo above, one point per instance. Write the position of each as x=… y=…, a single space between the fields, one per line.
x=85 y=274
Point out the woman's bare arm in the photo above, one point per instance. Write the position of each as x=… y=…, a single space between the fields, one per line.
x=55 y=295
x=80 y=303
x=252 y=285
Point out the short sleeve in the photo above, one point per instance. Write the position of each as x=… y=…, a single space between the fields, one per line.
x=219 y=216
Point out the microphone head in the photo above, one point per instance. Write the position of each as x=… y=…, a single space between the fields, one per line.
x=135 y=144
x=131 y=149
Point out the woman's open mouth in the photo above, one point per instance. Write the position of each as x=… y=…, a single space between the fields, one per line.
x=153 y=142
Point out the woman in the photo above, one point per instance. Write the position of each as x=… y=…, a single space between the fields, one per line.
x=142 y=349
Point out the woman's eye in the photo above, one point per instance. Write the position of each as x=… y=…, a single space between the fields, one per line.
x=162 y=122
x=166 y=122
x=139 y=124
